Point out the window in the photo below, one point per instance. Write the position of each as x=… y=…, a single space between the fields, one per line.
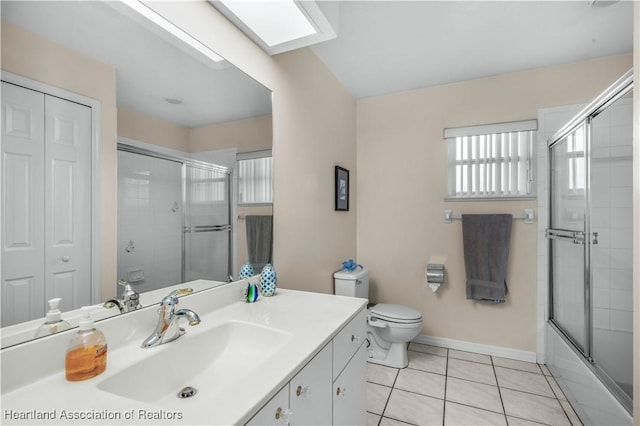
x=576 y=162
x=255 y=177
x=491 y=161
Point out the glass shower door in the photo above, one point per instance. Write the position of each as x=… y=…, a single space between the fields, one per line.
x=612 y=258
x=568 y=227
x=207 y=230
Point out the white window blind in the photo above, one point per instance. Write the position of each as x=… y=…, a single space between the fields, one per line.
x=491 y=161
x=206 y=186
x=255 y=177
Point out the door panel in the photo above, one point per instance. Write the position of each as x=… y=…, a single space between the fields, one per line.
x=46 y=226
x=207 y=225
x=68 y=191
x=22 y=222
x=567 y=233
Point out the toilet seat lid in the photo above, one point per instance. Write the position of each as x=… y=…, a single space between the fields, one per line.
x=396 y=313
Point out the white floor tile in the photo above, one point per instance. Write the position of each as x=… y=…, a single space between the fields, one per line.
x=381 y=374
x=523 y=381
x=556 y=389
x=517 y=365
x=470 y=356
x=456 y=414
x=372 y=419
x=415 y=409
x=433 y=350
x=427 y=362
x=386 y=421
x=533 y=407
x=377 y=397
x=464 y=388
x=473 y=371
x=514 y=421
x=421 y=382
x=477 y=395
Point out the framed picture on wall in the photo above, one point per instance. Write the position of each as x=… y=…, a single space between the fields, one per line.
x=342 y=189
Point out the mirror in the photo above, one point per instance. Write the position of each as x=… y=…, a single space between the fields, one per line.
x=172 y=98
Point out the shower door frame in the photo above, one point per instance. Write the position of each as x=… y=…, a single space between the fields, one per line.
x=121 y=146
x=616 y=91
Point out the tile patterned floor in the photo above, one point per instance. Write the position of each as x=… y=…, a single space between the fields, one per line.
x=450 y=387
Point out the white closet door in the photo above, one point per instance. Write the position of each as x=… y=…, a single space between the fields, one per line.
x=67 y=199
x=46 y=194
x=22 y=204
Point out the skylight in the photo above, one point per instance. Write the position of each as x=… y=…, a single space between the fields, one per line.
x=275 y=22
x=281 y=25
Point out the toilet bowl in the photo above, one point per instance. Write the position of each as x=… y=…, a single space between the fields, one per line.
x=389 y=327
x=389 y=330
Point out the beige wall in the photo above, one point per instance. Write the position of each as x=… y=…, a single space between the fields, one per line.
x=313 y=130
x=29 y=55
x=402 y=170
x=144 y=128
x=250 y=134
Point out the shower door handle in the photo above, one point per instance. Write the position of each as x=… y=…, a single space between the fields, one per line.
x=576 y=237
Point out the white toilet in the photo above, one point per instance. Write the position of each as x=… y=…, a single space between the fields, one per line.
x=389 y=327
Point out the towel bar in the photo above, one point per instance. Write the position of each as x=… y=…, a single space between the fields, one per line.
x=527 y=215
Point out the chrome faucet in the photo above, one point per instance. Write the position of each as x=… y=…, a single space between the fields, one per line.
x=167 y=329
x=130 y=299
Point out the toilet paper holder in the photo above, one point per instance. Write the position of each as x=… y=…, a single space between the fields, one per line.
x=435 y=273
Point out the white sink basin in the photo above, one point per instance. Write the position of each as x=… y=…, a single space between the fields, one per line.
x=209 y=361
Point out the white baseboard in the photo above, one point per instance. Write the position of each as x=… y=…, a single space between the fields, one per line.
x=461 y=345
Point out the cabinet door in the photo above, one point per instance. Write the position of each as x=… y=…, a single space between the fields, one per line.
x=310 y=391
x=275 y=412
x=347 y=341
x=349 y=392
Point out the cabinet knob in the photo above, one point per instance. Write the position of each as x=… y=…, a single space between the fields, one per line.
x=284 y=414
x=341 y=392
x=65 y=259
x=304 y=392
x=355 y=339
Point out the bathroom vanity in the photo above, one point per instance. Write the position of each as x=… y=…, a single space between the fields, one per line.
x=293 y=358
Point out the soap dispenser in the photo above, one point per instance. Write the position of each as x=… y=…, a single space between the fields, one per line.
x=54 y=322
x=87 y=352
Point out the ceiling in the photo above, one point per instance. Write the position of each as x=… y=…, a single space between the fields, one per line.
x=151 y=65
x=382 y=47
x=391 y=46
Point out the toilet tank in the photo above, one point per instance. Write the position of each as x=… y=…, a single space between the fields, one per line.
x=352 y=283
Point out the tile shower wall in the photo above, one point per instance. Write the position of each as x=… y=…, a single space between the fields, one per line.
x=149 y=221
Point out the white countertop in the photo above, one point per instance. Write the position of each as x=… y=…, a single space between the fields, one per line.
x=23 y=332
x=312 y=319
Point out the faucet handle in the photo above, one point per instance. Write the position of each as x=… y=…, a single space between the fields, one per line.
x=181 y=292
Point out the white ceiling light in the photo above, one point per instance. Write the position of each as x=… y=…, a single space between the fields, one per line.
x=279 y=25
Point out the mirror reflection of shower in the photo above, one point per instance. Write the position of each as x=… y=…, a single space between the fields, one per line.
x=173 y=220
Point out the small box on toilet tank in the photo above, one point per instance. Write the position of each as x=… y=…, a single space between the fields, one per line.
x=352 y=283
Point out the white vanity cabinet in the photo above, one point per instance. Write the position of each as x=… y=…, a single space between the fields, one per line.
x=275 y=412
x=349 y=373
x=330 y=389
x=305 y=400
x=310 y=391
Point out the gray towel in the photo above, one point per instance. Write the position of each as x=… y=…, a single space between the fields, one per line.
x=259 y=240
x=486 y=240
